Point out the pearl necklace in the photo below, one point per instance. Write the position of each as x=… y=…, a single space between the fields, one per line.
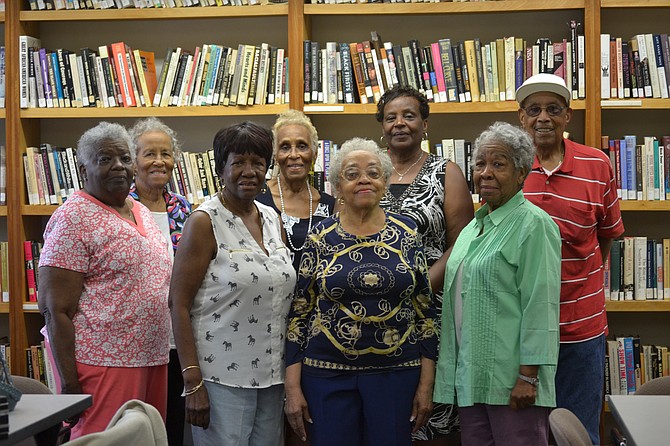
x=285 y=217
x=401 y=175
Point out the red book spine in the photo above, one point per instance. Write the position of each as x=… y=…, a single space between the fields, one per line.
x=30 y=271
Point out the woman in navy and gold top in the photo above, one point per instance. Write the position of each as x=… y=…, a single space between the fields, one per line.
x=361 y=342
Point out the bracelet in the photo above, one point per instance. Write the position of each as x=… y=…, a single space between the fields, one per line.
x=195 y=389
x=189 y=368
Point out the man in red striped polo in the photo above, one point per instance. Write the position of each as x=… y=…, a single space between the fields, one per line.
x=575 y=185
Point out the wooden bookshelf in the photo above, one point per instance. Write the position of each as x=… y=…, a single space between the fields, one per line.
x=442 y=8
x=159 y=112
x=303 y=21
x=155 y=13
x=624 y=306
x=642 y=205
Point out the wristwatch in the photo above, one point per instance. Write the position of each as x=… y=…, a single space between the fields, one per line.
x=530 y=380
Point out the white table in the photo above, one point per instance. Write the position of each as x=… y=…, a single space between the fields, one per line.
x=644 y=419
x=34 y=413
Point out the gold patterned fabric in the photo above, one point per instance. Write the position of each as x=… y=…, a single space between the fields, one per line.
x=362 y=303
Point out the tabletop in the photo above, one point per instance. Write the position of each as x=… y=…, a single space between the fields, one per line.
x=34 y=413
x=643 y=418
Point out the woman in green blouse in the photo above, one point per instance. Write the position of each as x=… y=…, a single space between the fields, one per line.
x=499 y=340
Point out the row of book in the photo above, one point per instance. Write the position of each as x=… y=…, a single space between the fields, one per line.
x=4 y=272
x=220 y=75
x=397 y=1
x=445 y=71
x=629 y=364
x=641 y=166
x=54 y=5
x=39 y=367
x=458 y=151
x=117 y=75
x=635 y=68
x=638 y=268
x=51 y=174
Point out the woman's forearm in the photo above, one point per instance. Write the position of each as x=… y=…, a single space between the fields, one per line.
x=62 y=339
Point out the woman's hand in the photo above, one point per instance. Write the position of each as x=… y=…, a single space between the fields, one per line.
x=197 y=408
x=297 y=412
x=422 y=407
x=523 y=395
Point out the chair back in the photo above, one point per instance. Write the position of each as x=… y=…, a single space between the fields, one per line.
x=135 y=423
x=657 y=386
x=567 y=429
x=30 y=386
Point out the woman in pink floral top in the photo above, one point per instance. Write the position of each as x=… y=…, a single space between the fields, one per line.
x=104 y=276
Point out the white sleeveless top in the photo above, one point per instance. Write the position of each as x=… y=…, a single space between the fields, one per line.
x=239 y=313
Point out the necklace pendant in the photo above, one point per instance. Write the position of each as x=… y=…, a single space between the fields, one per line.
x=400 y=177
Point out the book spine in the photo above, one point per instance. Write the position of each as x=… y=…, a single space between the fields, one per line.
x=30 y=271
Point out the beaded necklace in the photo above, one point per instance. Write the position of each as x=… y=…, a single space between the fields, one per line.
x=285 y=217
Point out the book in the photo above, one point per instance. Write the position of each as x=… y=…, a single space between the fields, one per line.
x=449 y=73
x=471 y=62
x=25 y=97
x=348 y=75
x=162 y=77
x=245 y=75
x=640 y=259
x=3 y=175
x=107 y=76
x=30 y=271
x=39 y=79
x=359 y=77
x=660 y=65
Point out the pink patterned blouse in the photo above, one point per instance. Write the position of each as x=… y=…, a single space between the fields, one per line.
x=123 y=318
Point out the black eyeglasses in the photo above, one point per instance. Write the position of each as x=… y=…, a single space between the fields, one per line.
x=551 y=109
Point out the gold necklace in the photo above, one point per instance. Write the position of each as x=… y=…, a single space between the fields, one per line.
x=401 y=175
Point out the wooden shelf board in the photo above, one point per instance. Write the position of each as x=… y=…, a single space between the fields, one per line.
x=634 y=4
x=3 y=113
x=439 y=108
x=637 y=306
x=155 y=14
x=441 y=8
x=38 y=209
x=30 y=307
x=635 y=104
x=3 y=211
x=166 y=112
x=4 y=307
x=643 y=205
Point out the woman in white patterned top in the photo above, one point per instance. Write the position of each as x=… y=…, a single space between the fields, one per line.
x=230 y=293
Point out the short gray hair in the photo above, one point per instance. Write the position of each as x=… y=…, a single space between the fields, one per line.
x=517 y=140
x=152 y=124
x=294 y=117
x=353 y=145
x=105 y=133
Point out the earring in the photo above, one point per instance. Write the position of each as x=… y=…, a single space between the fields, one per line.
x=340 y=201
x=381 y=141
x=425 y=136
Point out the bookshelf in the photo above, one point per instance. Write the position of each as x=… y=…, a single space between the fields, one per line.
x=287 y=25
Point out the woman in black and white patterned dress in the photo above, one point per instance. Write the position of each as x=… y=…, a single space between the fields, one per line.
x=432 y=191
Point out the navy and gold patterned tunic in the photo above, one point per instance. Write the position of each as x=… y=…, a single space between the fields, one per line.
x=362 y=303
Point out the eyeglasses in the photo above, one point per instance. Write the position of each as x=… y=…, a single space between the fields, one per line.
x=354 y=174
x=551 y=109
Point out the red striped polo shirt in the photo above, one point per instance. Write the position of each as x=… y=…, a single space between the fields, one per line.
x=581 y=198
